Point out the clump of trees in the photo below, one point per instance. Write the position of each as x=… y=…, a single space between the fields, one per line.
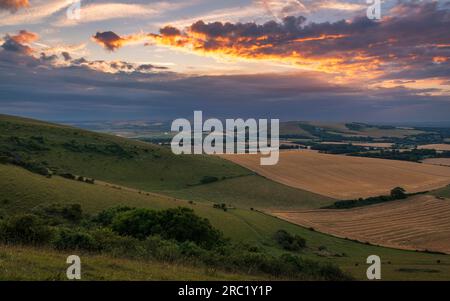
x=414 y=155
x=398 y=193
x=24 y=229
x=289 y=242
x=180 y=224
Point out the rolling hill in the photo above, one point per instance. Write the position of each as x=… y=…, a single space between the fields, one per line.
x=142 y=165
x=346 y=177
x=122 y=163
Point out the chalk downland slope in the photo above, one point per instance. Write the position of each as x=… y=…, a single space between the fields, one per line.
x=345 y=177
x=418 y=223
x=144 y=166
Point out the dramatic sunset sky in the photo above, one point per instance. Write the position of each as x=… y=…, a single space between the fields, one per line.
x=288 y=59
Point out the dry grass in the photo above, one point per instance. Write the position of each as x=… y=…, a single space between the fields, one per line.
x=437 y=161
x=344 y=177
x=438 y=147
x=419 y=223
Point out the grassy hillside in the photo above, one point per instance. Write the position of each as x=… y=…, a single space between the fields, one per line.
x=142 y=166
x=253 y=191
x=27 y=263
x=22 y=190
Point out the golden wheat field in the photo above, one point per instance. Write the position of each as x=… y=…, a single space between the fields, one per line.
x=418 y=223
x=437 y=161
x=438 y=147
x=345 y=177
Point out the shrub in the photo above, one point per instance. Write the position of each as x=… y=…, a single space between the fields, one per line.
x=68 y=239
x=68 y=176
x=25 y=229
x=57 y=213
x=138 y=223
x=117 y=245
x=398 y=193
x=290 y=242
x=90 y=181
x=208 y=180
x=314 y=269
x=182 y=224
x=221 y=206
x=105 y=218
x=161 y=249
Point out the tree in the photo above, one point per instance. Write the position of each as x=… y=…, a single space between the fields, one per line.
x=398 y=193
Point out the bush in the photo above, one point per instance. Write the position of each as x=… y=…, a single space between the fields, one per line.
x=139 y=223
x=68 y=239
x=57 y=213
x=116 y=245
x=398 y=193
x=161 y=249
x=25 y=229
x=105 y=218
x=221 y=206
x=208 y=180
x=314 y=269
x=180 y=224
x=68 y=176
x=290 y=242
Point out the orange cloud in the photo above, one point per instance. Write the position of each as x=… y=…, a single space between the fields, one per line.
x=359 y=47
x=25 y=37
x=440 y=59
x=13 y=5
x=19 y=42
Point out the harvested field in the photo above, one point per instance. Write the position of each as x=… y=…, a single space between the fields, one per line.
x=437 y=161
x=418 y=223
x=438 y=147
x=345 y=177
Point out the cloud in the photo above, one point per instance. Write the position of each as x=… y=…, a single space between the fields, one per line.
x=20 y=42
x=81 y=93
x=25 y=37
x=13 y=5
x=116 y=66
x=106 y=11
x=97 y=12
x=359 y=47
x=112 y=41
x=39 y=11
x=66 y=56
x=61 y=56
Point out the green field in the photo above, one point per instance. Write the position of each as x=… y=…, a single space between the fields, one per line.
x=22 y=190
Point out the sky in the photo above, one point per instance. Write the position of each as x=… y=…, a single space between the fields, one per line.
x=288 y=59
